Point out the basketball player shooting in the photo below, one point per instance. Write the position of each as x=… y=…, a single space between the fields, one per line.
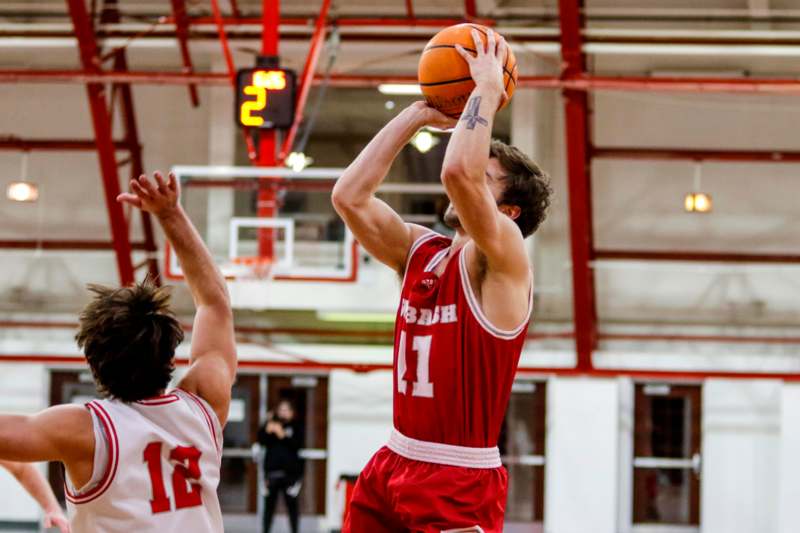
x=144 y=458
x=463 y=316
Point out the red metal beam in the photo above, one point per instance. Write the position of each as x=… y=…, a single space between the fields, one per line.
x=705 y=257
x=101 y=122
x=580 y=83
x=111 y=15
x=308 y=365
x=73 y=245
x=410 y=9
x=470 y=10
x=137 y=167
x=579 y=184
x=267 y=204
x=309 y=70
x=182 y=33
x=56 y=145
x=742 y=156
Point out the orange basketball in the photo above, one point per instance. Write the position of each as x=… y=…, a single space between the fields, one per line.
x=444 y=75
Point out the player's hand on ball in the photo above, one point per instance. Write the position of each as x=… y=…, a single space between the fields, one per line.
x=433 y=117
x=486 y=66
x=159 y=197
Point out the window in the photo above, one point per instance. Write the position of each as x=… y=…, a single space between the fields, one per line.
x=522 y=442
x=666 y=463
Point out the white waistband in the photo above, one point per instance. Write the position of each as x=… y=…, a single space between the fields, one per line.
x=443 y=454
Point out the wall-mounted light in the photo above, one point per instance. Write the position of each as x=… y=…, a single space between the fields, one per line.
x=23 y=190
x=696 y=201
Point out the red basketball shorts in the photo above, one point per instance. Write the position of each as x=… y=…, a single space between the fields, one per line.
x=396 y=494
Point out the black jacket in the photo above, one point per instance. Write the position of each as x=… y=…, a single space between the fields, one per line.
x=283 y=459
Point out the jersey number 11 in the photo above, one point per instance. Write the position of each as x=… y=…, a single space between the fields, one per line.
x=422 y=385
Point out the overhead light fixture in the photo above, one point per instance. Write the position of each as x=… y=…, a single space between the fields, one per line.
x=399 y=88
x=297 y=161
x=696 y=201
x=424 y=141
x=22 y=191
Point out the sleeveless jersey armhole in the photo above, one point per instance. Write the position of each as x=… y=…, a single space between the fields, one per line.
x=104 y=464
x=422 y=239
x=477 y=311
x=204 y=410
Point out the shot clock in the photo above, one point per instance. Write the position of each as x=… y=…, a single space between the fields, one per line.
x=265 y=98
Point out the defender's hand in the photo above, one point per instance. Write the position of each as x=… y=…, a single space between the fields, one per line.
x=56 y=518
x=159 y=198
x=429 y=116
x=486 y=66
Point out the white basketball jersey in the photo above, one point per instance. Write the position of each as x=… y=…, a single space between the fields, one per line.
x=160 y=471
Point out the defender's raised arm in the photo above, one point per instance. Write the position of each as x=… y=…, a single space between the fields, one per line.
x=213 y=353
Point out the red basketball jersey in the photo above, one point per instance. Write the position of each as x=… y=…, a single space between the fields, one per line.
x=453 y=369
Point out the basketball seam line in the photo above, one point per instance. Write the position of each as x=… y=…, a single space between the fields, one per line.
x=444 y=82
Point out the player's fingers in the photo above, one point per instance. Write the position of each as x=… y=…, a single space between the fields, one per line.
x=173 y=182
x=130 y=199
x=138 y=190
x=491 y=43
x=162 y=186
x=502 y=45
x=479 y=46
x=463 y=53
x=148 y=186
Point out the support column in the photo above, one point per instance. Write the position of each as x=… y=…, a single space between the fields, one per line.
x=101 y=121
x=576 y=116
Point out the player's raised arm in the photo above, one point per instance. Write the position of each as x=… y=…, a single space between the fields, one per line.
x=376 y=225
x=213 y=352
x=465 y=173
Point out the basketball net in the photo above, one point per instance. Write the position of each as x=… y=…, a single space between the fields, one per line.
x=253 y=268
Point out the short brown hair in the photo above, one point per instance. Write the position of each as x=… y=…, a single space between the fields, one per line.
x=527 y=186
x=129 y=336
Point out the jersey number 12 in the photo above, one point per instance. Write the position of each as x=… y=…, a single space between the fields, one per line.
x=185 y=470
x=422 y=385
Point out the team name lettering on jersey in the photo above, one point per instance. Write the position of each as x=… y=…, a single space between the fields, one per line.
x=441 y=314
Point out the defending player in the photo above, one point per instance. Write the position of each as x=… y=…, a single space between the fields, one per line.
x=462 y=320
x=36 y=485
x=144 y=458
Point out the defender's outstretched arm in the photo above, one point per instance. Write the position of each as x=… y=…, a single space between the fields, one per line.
x=376 y=225
x=36 y=485
x=213 y=353
x=464 y=172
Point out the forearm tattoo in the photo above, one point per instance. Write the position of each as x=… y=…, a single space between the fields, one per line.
x=471 y=116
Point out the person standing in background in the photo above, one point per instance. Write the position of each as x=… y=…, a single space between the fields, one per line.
x=283 y=437
x=34 y=483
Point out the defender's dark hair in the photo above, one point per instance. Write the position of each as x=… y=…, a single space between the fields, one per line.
x=129 y=336
x=527 y=186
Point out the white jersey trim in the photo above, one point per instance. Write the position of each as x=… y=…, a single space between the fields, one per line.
x=443 y=454
x=472 y=300
x=422 y=239
x=113 y=459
